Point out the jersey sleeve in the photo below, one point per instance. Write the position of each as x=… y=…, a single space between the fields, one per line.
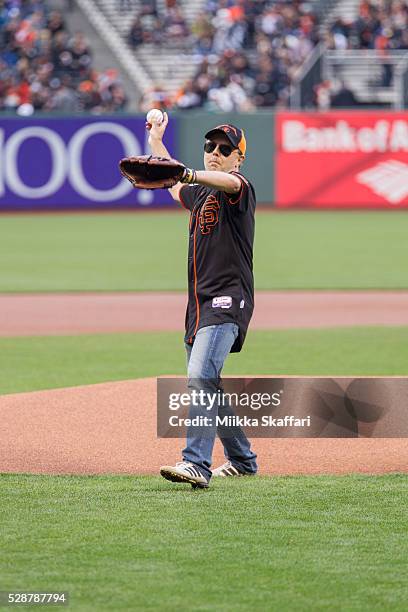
x=188 y=196
x=240 y=201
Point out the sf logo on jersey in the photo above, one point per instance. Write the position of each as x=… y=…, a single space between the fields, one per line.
x=209 y=215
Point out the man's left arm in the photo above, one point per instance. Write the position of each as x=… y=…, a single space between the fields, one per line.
x=222 y=181
x=243 y=198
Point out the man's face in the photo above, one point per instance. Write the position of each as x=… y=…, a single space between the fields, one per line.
x=217 y=161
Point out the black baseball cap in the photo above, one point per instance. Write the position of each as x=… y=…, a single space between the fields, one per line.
x=235 y=135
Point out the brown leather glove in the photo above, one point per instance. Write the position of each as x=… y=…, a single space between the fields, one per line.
x=149 y=172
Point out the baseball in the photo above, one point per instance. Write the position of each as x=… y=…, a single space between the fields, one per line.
x=154 y=116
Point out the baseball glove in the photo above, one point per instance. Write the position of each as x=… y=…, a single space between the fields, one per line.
x=149 y=172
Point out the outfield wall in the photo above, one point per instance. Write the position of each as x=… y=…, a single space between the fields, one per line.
x=72 y=163
x=347 y=159
x=343 y=159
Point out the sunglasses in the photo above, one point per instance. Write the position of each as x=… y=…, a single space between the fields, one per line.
x=224 y=149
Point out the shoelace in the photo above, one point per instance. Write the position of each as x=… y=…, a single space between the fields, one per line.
x=190 y=468
x=183 y=464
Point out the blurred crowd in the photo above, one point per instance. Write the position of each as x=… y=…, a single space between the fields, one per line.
x=43 y=67
x=247 y=53
x=380 y=25
x=151 y=26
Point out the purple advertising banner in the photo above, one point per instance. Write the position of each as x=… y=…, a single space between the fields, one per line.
x=72 y=163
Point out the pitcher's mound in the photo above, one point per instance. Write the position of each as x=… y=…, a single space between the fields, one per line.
x=111 y=428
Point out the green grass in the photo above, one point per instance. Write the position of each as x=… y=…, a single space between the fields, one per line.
x=125 y=251
x=27 y=364
x=141 y=543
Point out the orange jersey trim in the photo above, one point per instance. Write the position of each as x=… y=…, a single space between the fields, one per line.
x=239 y=195
x=195 y=280
x=181 y=198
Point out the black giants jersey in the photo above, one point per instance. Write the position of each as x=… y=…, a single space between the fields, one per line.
x=220 y=278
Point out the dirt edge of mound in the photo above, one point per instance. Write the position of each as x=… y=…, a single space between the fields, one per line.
x=110 y=428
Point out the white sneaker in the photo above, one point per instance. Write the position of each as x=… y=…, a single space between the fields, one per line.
x=184 y=471
x=227 y=469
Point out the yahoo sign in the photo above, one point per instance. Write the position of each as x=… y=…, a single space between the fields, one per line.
x=70 y=163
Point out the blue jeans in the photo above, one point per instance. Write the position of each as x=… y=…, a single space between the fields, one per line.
x=205 y=360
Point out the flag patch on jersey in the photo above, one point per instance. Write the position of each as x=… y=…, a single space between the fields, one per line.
x=224 y=301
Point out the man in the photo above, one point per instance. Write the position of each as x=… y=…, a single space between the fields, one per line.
x=222 y=203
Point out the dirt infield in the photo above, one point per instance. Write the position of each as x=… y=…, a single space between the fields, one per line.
x=46 y=314
x=111 y=427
